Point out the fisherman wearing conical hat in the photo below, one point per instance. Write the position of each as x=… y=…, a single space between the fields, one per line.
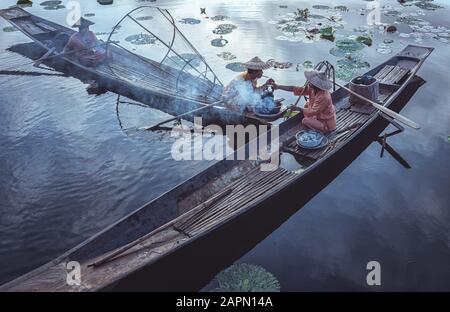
x=319 y=113
x=241 y=93
x=85 y=45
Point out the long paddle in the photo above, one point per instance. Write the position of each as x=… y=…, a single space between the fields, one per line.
x=385 y=110
x=158 y=125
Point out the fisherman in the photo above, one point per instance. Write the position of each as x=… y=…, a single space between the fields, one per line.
x=319 y=113
x=85 y=45
x=243 y=93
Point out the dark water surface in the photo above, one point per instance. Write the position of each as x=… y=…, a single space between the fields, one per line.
x=67 y=170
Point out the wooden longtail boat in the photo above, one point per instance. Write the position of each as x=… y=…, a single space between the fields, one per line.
x=170 y=85
x=211 y=219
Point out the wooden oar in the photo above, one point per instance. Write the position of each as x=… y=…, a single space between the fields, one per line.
x=384 y=109
x=158 y=125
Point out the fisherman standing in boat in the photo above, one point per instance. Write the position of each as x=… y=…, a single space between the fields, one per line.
x=85 y=45
x=243 y=93
x=319 y=113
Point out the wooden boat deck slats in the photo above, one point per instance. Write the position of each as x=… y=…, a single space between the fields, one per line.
x=391 y=74
x=347 y=121
x=243 y=192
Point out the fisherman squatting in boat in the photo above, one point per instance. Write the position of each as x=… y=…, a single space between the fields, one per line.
x=242 y=93
x=85 y=45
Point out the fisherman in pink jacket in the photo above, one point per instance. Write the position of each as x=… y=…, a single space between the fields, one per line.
x=319 y=113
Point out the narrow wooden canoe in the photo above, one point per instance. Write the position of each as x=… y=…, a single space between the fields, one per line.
x=177 y=241
x=154 y=84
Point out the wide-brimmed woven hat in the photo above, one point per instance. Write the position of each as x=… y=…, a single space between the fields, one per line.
x=82 y=22
x=318 y=79
x=256 y=63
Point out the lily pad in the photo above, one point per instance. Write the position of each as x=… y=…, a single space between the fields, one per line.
x=220 y=18
x=190 y=21
x=427 y=5
x=52 y=2
x=246 y=278
x=144 y=18
x=224 y=29
x=236 y=67
x=346 y=46
x=228 y=56
x=349 y=67
x=141 y=39
x=219 y=42
x=365 y=40
x=321 y=7
x=54 y=7
x=308 y=65
x=89 y=14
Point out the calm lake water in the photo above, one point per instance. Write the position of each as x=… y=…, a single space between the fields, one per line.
x=67 y=170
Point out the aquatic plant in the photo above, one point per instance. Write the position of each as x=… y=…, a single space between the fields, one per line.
x=327 y=33
x=321 y=7
x=228 y=56
x=341 y=8
x=24 y=2
x=220 y=18
x=144 y=18
x=105 y=2
x=219 y=42
x=384 y=49
x=224 y=29
x=367 y=40
x=141 y=39
x=236 y=67
x=427 y=5
x=190 y=21
x=89 y=14
x=280 y=65
x=344 y=47
x=349 y=67
x=54 y=7
x=51 y=2
x=246 y=278
x=302 y=14
x=308 y=64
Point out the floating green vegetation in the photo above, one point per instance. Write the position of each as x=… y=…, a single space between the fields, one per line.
x=190 y=21
x=321 y=7
x=53 y=2
x=224 y=29
x=227 y=56
x=190 y=58
x=144 y=18
x=367 y=40
x=246 y=278
x=341 y=8
x=308 y=64
x=388 y=41
x=25 y=2
x=280 y=65
x=141 y=39
x=220 y=18
x=349 y=67
x=10 y=29
x=346 y=46
x=316 y=16
x=327 y=33
x=392 y=13
x=54 y=7
x=283 y=6
x=89 y=14
x=302 y=14
x=105 y=2
x=236 y=67
x=427 y=5
x=409 y=20
x=219 y=42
